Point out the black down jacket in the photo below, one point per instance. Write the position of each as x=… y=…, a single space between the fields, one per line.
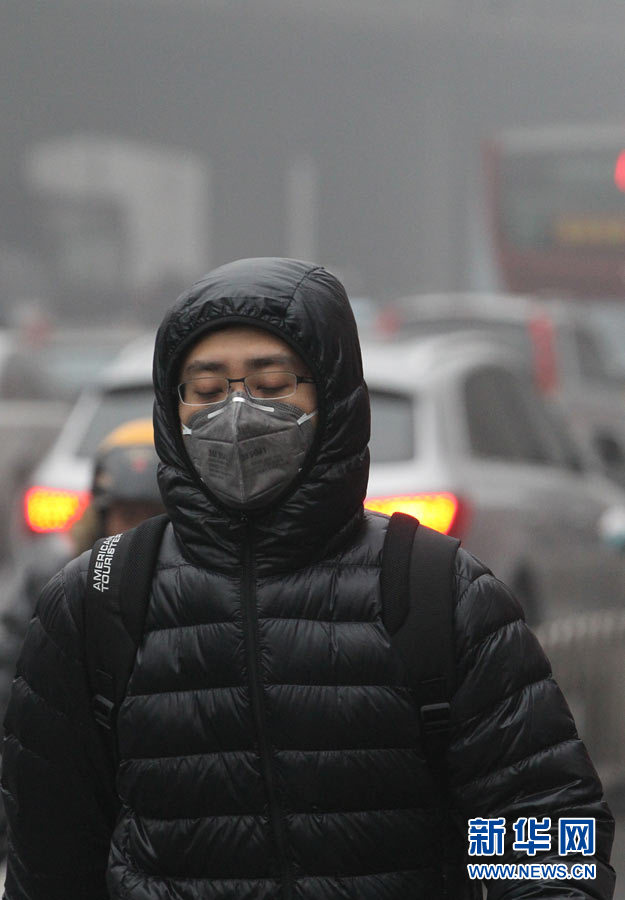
x=269 y=745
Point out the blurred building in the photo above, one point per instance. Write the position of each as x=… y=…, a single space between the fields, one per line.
x=144 y=141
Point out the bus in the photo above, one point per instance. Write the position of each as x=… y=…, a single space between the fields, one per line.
x=557 y=209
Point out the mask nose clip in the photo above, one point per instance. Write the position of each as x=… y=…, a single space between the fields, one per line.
x=242 y=397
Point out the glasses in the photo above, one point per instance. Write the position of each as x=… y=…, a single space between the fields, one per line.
x=209 y=389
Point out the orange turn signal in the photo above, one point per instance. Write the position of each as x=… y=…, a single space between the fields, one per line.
x=46 y=509
x=438 y=511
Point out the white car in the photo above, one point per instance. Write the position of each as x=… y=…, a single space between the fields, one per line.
x=574 y=348
x=459 y=438
x=31 y=415
x=462 y=440
x=58 y=489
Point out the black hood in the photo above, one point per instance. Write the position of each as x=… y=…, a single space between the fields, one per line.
x=307 y=307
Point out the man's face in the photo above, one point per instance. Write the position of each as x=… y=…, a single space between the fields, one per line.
x=240 y=350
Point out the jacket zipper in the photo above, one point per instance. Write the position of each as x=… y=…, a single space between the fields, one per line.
x=250 y=624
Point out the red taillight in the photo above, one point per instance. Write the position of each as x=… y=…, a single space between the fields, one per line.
x=46 y=509
x=619 y=171
x=387 y=323
x=441 y=511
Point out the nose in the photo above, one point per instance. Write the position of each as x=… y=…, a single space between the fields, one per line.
x=236 y=390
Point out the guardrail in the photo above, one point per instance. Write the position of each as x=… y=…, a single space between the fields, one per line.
x=587 y=654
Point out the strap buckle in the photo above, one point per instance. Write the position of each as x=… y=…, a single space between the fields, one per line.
x=103 y=710
x=435 y=717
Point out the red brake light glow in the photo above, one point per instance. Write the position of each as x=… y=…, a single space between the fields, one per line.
x=47 y=510
x=438 y=511
x=619 y=171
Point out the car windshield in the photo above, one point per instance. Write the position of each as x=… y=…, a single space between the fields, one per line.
x=115 y=408
x=392 y=426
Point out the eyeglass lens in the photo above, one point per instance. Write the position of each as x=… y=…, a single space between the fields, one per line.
x=213 y=389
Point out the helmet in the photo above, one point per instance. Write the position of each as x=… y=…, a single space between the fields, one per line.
x=125 y=466
x=124 y=484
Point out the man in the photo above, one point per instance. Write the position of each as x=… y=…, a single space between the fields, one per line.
x=124 y=487
x=124 y=492
x=269 y=746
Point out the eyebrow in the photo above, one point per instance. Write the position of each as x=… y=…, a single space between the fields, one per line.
x=252 y=364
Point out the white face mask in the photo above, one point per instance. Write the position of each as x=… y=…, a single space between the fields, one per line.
x=246 y=451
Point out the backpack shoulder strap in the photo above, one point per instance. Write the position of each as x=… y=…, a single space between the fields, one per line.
x=115 y=605
x=417 y=583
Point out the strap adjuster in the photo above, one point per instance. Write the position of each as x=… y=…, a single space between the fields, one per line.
x=103 y=711
x=435 y=717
